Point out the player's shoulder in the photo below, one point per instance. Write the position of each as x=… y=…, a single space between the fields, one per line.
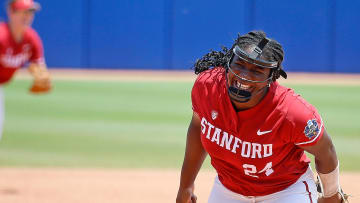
x=4 y=31
x=3 y=26
x=211 y=76
x=297 y=108
x=208 y=87
x=31 y=31
x=209 y=83
x=32 y=35
x=303 y=123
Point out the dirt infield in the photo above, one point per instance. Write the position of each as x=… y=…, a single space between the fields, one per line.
x=110 y=186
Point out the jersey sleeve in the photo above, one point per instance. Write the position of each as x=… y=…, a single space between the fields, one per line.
x=2 y=39
x=195 y=97
x=308 y=126
x=37 y=48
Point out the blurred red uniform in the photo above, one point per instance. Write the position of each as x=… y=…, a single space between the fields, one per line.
x=15 y=55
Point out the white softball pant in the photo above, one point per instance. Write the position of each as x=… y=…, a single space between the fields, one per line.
x=302 y=191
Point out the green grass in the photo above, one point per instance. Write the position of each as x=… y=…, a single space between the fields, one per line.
x=96 y=124
x=135 y=124
x=339 y=107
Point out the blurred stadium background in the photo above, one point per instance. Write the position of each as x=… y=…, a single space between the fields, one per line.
x=142 y=123
x=318 y=36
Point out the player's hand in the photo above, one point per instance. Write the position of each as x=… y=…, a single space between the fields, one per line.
x=41 y=84
x=186 y=195
x=333 y=199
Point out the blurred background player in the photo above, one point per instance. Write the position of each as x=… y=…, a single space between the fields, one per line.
x=20 y=45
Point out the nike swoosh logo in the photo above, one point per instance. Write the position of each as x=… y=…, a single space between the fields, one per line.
x=262 y=132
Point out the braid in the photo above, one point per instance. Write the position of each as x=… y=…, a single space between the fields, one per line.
x=273 y=51
x=212 y=59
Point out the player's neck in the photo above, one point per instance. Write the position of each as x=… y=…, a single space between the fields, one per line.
x=17 y=32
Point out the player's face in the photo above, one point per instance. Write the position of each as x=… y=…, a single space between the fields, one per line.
x=248 y=71
x=22 y=18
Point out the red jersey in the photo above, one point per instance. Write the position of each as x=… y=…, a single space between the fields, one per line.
x=14 y=55
x=255 y=152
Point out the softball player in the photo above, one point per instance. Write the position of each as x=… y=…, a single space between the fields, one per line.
x=255 y=130
x=21 y=45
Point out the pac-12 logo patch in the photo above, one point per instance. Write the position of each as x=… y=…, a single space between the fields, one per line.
x=214 y=114
x=311 y=129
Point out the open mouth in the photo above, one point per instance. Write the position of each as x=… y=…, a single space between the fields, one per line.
x=240 y=92
x=241 y=86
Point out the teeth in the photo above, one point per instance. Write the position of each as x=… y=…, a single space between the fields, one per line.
x=242 y=86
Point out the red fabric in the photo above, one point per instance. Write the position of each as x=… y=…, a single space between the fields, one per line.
x=15 y=55
x=248 y=163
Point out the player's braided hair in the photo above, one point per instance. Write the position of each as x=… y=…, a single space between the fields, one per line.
x=273 y=51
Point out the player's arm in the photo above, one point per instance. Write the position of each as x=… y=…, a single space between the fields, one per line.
x=37 y=66
x=326 y=163
x=42 y=82
x=195 y=155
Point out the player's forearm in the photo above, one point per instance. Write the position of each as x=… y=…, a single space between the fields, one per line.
x=192 y=163
x=327 y=166
x=38 y=69
x=194 y=155
x=324 y=153
x=326 y=161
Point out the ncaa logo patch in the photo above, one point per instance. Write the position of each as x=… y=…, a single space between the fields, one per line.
x=311 y=129
x=214 y=114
